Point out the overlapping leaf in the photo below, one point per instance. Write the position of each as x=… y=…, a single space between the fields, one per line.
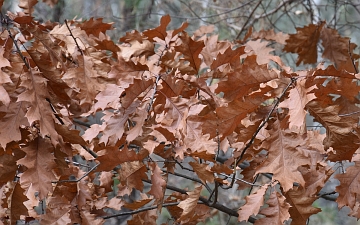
x=277 y=212
x=284 y=158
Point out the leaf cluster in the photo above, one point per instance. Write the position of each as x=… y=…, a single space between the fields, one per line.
x=170 y=103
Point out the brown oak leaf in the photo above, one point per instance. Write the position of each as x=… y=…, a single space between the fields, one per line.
x=304 y=43
x=40 y=164
x=277 y=212
x=301 y=205
x=349 y=186
x=189 y=204
x=253 y=204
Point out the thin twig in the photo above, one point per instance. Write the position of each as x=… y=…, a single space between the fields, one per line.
x=241 y=180
x=54 y=111
x=154 y=93
x=267 y=14
x=18 y=49
x=248 y=19
x=71 y=34
x=82 y=177
x=216 y=192
x=217 y=206
x=185 y=176
x=77 y=164
x=139 y=210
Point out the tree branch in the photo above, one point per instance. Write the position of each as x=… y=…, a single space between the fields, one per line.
x=217 y=206
x=71 y=34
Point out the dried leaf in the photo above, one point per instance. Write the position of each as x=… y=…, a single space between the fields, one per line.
x=283 y=156
x=301 y=205
x=189 y=204
x=16 y=202
x=157 y=181
x=349 y=186
x=253 y=204
x=94 y=27
x=28 y=5
x=277 y=212
x=339 y=50
x=304 y=43
x=299 y=96
x=203 y=172
x=40 y=165
x=190 y=50
x=339 y=130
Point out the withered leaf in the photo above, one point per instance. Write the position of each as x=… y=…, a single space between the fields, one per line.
x=277 y=212
x=304 y=43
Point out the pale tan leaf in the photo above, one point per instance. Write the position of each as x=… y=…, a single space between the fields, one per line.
x=277 y=212
x=157 y=181
x=283 y=156
x=189 y=204
x=145 y=48
x=253 y=204
x=299 y=96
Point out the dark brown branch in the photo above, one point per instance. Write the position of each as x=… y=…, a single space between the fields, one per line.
x=18 y=49
x=216 y=192
x=54 y=111
x=139 y=210
x=217 y=206
x=331 y=196
x=184 y=176
x=92 y=153
x=71 y=34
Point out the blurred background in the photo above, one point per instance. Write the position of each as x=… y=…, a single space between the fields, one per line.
x=231 y=20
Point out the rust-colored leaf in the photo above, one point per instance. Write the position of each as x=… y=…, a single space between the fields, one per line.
x=338 y=49
x=301 y=205
x=16 y=202
x=40 y=109
x=190 y=50
x=244 y=79
x=160 y=31
x=131 y=174
x=304 y=43
x=339 y=130
x=203 y=172
x=40 y=165
x=95 y=26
